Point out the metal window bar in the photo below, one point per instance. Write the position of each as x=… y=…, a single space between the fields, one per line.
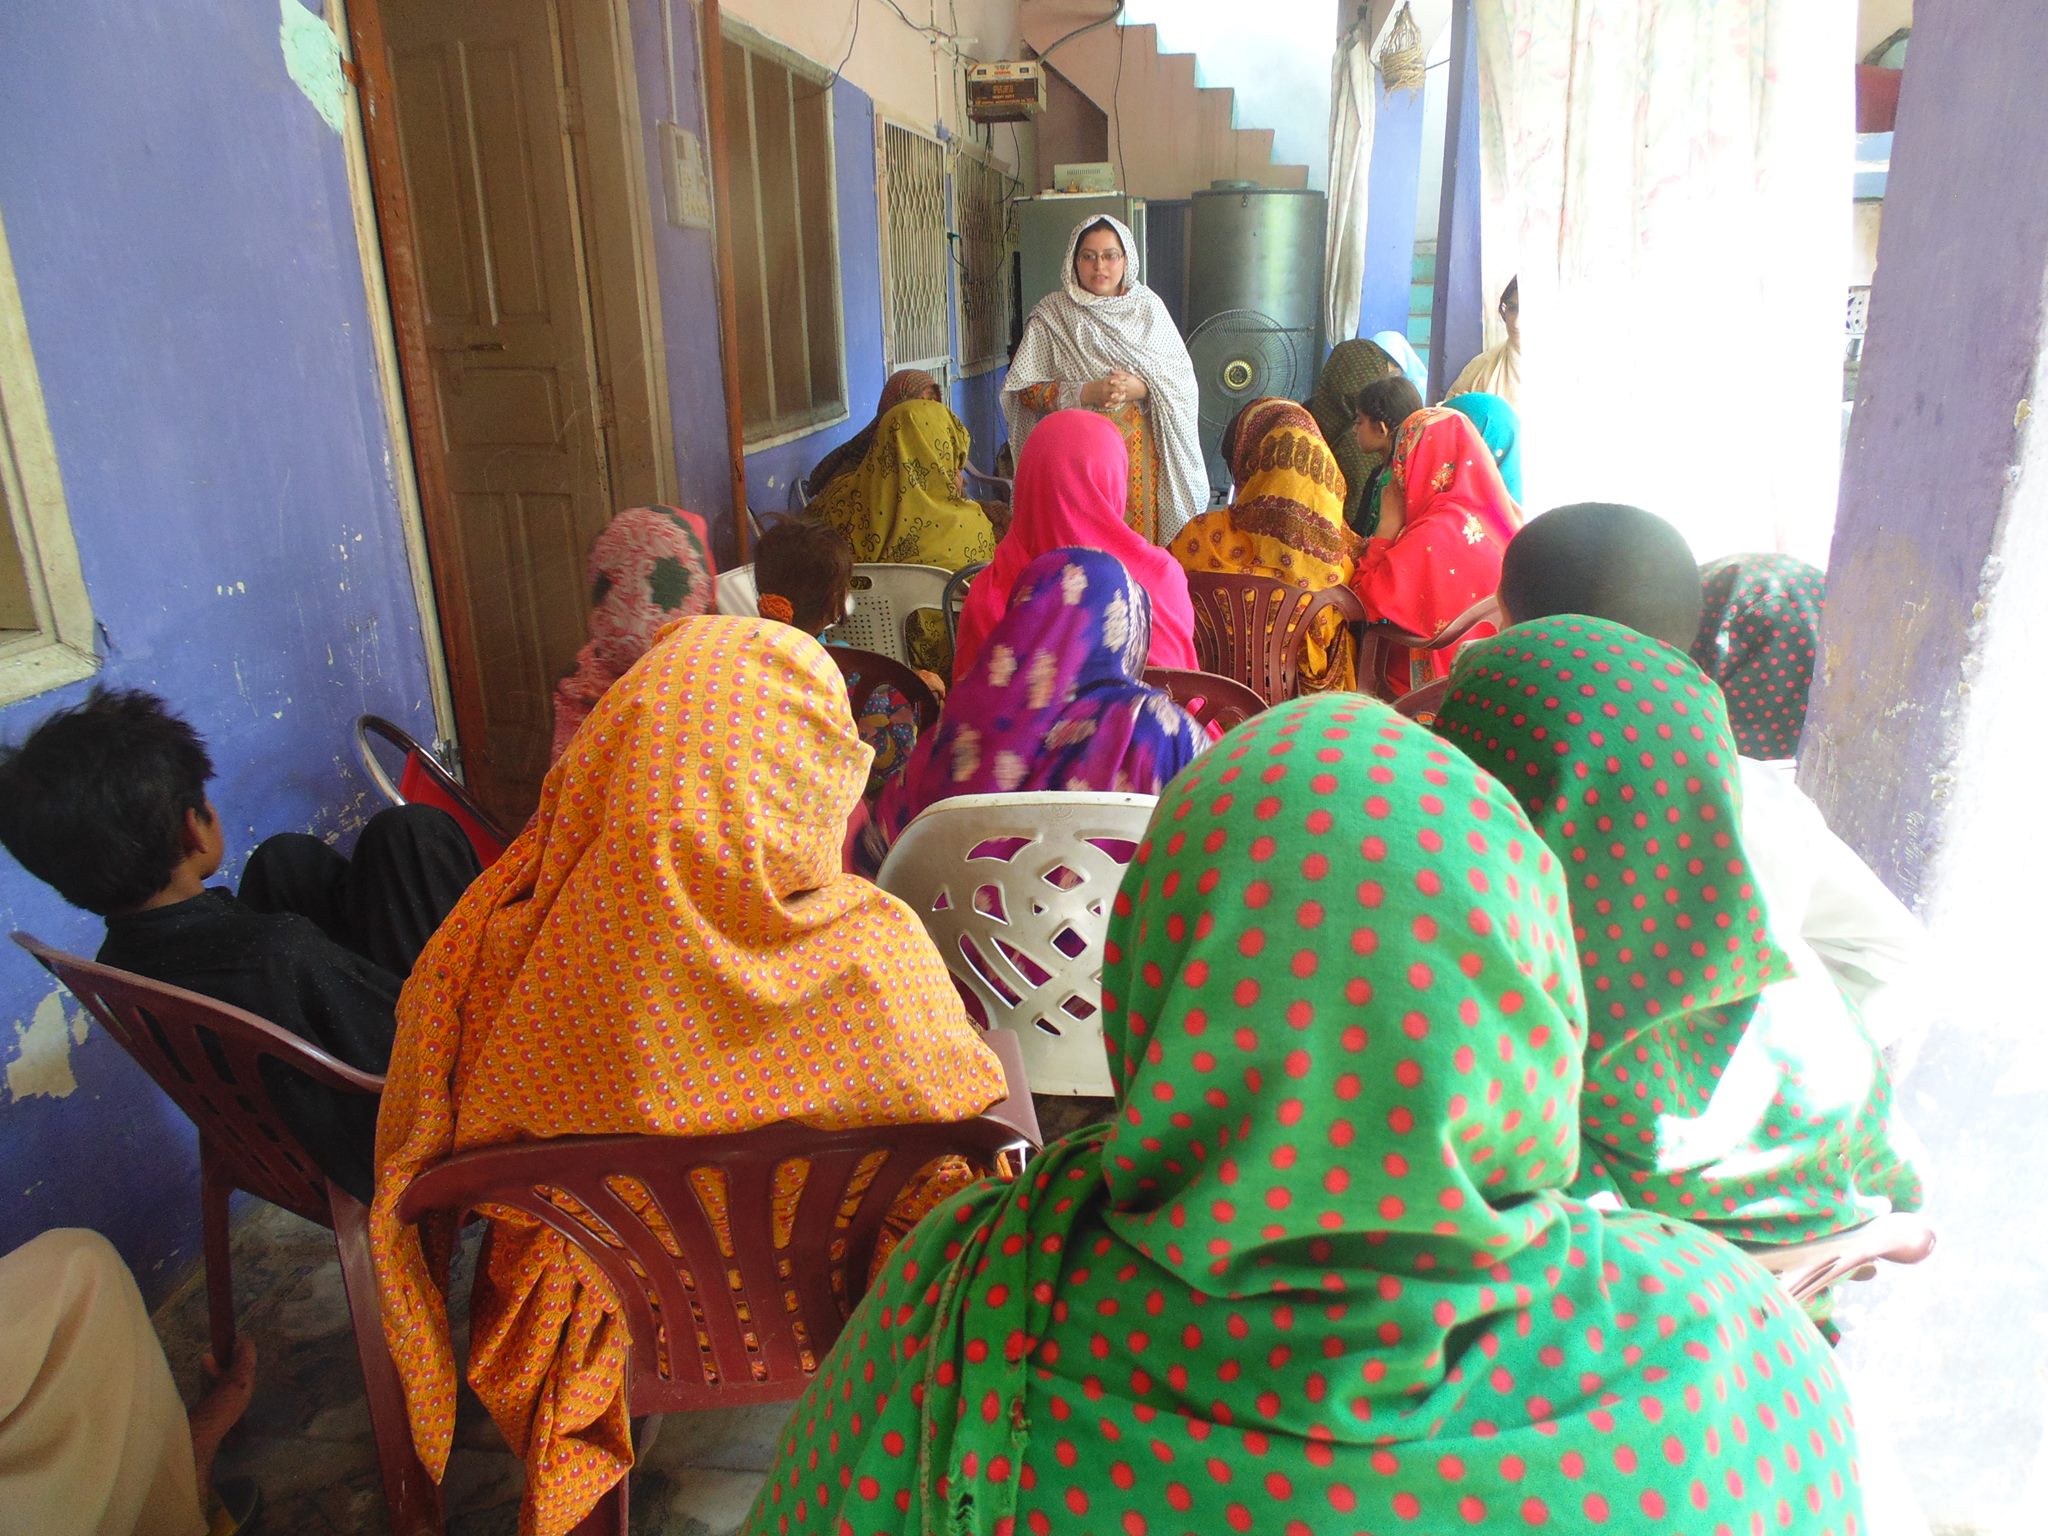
x=769 y=86
x=914 y=216
x=983 y=210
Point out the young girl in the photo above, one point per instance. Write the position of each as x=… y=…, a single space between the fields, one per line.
x=803 y=572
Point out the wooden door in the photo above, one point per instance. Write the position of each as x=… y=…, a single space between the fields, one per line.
x=503 y=313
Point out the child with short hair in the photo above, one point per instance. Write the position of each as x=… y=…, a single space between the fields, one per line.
x=1605 y=560
x=106 y=801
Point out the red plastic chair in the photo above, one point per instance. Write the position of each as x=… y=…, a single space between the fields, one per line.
x=1253 y=629
x=1807 y=1269
x=866 y=671
x=796 y=1298
x=1212 y=699
x=208 y=1059
x=1421 y=704
x=423 y=781
x=1378 y=641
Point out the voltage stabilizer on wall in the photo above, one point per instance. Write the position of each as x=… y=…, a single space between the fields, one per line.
x=1007 y=91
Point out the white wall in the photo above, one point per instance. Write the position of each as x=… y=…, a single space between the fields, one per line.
x=911 y=76
x=1275 y=54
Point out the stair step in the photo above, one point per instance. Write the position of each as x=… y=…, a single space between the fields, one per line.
x=1418 y=331
x=1423 y=268
x=1421 y=298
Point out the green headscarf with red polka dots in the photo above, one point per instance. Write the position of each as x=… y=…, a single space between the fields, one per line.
x=1709 y=1094
x=1315 y=1276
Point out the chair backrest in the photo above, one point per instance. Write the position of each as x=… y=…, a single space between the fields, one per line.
x=954 y=601
x=423 y=781
x=1807 y=1269
x=1210 y=697
x=1016 y=891
x=1254 y=629
x=1000 y=488
x=865 y=671
x=208 y=1058
x=738 y=592
x=1376 y=641
x=1421 y=704
x=884 y=597
x=692 y=1348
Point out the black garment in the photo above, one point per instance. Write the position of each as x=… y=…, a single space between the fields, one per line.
x=319 y=945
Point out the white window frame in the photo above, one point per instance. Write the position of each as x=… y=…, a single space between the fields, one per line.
x=59 y=650
x=970 y=368
x=939 y=364
x=752 y=41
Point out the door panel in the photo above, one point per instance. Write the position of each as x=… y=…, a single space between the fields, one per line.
x=486 y=155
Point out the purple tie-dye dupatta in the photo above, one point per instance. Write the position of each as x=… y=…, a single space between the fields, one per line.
x=1052 y=701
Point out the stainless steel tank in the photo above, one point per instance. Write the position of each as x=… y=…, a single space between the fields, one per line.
x=1254 y=304
x=1258 y=249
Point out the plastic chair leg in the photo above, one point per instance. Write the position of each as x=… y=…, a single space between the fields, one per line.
x=608 y=1516
x=214 y=1188
x=412 y=1499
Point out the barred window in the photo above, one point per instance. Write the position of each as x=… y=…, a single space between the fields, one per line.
x=46 y=623
x=785 y=240
x=915 y=254
x=981 y=201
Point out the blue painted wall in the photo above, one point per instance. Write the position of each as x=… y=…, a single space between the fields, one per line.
x=1390 y=212
x=181 y=228
x=686 y=262
x=1464 y=322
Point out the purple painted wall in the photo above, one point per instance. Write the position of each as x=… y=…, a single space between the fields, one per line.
x=686 y=261
x=1390 y=212
x=1459 y=331
x=1954 y=320
x=181 y=228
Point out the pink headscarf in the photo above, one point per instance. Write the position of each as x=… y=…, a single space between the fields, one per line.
x=1070 y=495
x=649 y=567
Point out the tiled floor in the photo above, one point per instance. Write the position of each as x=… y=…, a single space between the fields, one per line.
x=306 y=1440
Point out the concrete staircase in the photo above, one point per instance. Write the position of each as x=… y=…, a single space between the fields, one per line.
x=1172 y=135
x=1421 y=296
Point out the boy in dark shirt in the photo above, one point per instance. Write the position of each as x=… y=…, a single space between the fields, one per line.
x=107 y=803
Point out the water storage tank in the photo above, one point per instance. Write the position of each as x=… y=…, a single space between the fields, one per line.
x=1254 y=305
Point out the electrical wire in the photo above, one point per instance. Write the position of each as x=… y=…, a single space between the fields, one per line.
x=840 y=69
x=1063 y=40
x=1116 y=108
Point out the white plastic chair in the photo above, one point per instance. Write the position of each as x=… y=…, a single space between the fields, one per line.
x=1016 y=892
x=884 y=598
x=738 y=593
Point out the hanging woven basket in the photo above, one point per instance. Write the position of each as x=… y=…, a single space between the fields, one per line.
x=1402 y=61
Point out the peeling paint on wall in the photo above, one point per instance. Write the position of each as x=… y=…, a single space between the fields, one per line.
x=312 y=57
x=41 y=1064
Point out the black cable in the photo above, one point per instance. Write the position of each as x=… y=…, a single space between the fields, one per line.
x=841 y=68
x=1059 y=42
x=1116 y=110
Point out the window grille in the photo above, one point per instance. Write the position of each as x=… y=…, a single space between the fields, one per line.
x=981 y=197
x=785 y=242
x=915 y=252
x=46 y=623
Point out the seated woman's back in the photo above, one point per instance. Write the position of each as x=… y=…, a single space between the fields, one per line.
x=1317 y=1274
x=669 y=948
x=1286 y=522
x=1054 y=701
x=1070 y=495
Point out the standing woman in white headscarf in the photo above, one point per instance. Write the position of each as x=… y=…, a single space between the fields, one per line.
x=1105 y=342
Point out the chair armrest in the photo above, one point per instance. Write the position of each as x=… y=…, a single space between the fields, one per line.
x=1016 y=1110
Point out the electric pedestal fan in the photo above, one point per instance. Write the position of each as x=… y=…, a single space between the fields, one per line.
x=1239 y=356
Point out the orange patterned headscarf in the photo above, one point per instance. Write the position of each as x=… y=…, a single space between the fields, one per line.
x=669 y=948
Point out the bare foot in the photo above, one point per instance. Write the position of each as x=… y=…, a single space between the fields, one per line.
x=221 y=1408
